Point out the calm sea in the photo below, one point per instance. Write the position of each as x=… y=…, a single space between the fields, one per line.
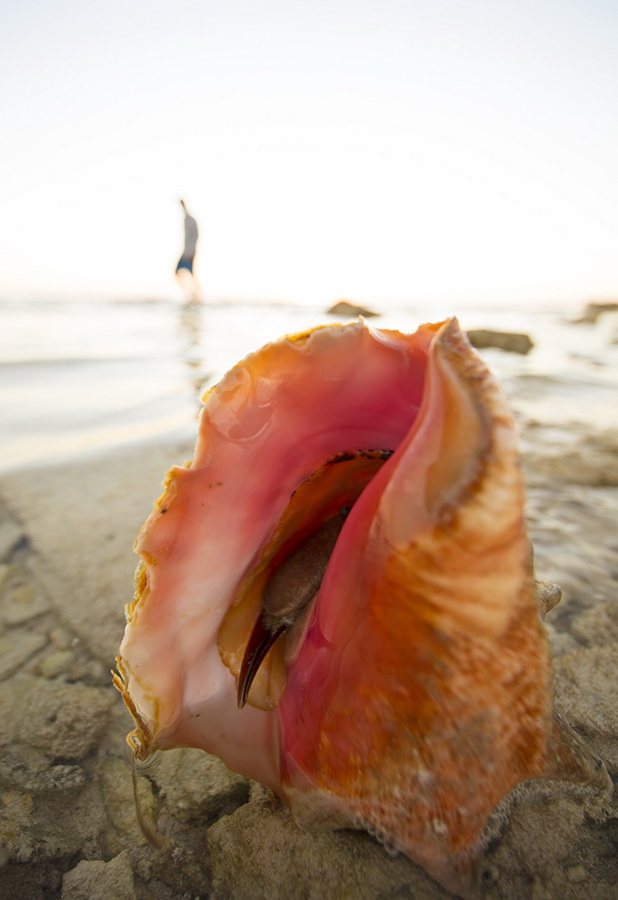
x=84 y=374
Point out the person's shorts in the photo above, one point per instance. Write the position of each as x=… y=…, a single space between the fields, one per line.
x=185 y=262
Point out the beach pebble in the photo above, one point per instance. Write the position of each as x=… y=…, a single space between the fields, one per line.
x=30 y=770
x=24 y=604
x=64 y=720
x=16 y=649
x=16 y=815
x=40 y=830
x=90 y=671
x=98 y=880
x=56 y=663
x=576 y=874
x=198 y=786
x=541 y=891
x=61 y=638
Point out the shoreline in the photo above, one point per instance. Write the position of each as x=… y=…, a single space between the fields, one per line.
x=142 y=369
x=67 y=818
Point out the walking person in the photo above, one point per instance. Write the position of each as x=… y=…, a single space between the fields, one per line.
x=184 y=268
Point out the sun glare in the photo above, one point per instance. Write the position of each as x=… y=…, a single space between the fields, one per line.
x=407 y=156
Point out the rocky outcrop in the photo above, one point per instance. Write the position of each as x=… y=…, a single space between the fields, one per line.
x=349 y=310
x=595 y=309
x=511 y=341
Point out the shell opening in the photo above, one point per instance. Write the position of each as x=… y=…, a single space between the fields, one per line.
x=289 y=592
x=273 y=601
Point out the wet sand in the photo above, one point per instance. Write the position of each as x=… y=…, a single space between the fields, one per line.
x=68 y=827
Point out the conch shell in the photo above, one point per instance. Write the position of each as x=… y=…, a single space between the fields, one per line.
x=336 y=594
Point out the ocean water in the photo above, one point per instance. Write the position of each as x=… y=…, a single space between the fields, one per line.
x=78 y=375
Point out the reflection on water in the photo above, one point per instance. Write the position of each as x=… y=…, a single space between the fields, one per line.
x=191 y=328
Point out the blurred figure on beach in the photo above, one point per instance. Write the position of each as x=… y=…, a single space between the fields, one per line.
x=184 y=269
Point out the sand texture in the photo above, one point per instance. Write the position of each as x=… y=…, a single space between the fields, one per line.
x=68 y=827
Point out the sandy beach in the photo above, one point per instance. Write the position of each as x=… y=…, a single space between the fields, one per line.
x=68 y=827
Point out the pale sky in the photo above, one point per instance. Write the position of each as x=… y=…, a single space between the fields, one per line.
x=379 y=149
